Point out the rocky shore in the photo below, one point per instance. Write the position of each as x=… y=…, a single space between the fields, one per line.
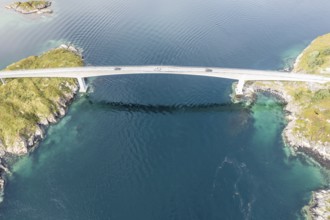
x=25 y=144
x=318 y=150
x=26 y=141
x=31 y=7
x=318 y=207
x=307 y=113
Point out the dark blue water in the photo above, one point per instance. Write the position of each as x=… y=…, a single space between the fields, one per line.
x=165 y=147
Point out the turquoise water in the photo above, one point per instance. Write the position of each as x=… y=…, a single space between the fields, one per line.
x=184 y=162
x=165 y=147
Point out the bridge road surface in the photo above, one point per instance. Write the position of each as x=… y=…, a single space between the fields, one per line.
x=241 y=75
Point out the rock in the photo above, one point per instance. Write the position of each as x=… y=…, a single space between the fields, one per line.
x=2 y=149
x=319 y=206
x=3 y=168
x=62 y=112
x=27 y=142
x=2 y=185
x=63 y=46
x=44 y=121
x=40 y=132
x=20 y=147
x=36 y=138
x=30 y=141
x=51 y=118
x=72 y=49
x=318 y=150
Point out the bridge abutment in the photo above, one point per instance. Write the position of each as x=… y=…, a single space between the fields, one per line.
x=239 y=87
x=82 y=85
x=3 y=81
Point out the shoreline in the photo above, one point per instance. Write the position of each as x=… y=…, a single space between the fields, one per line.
x=319 y=205
x=30 y=142
x=298 y=144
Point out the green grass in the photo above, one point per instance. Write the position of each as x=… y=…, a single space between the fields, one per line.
x=313 y=115
x=316 y=57
x=26 y=101
x=30 y=5
x=313 y=106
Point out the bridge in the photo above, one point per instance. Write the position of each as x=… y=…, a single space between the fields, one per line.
x=242 y=75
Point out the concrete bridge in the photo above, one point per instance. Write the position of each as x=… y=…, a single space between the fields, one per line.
x=242 y=75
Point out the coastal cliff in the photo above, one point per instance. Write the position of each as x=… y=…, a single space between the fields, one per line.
x=29 y=105
x=308 y=113
x=31 y=7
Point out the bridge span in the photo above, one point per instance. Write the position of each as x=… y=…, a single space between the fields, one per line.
x=242 y=75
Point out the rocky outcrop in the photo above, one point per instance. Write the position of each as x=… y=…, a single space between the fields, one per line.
x=31 y=7
x=24 y=144
x=319 y=206
x=27 y=142
x=3 y=171
x=319 y=151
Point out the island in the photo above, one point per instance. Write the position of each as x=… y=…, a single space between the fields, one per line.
x=31 y=7
x=308 y=113
x=29 y=105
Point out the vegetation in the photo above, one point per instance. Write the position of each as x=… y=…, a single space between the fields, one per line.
x=314 y=118
x=25 y=102
x=310 y=104
x=30 y=6
x=316 y=57
x=312 y=101
x=312 y=109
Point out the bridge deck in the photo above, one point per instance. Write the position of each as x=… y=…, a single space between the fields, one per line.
x=236 y=74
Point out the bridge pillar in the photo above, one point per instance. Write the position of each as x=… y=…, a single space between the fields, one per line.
x=82 y=85
x=239 y=87
x=3 y=81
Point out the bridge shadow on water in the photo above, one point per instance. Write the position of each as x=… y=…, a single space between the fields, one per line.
x=237 y=122
x=183 y=107
x=175 y=108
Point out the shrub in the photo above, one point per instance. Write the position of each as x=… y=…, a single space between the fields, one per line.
x=326 y=52
x=24 y=102
x=313 y=59
x=321 y=94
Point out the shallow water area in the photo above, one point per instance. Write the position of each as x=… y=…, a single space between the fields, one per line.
x=108 y=158
x=160 y=146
